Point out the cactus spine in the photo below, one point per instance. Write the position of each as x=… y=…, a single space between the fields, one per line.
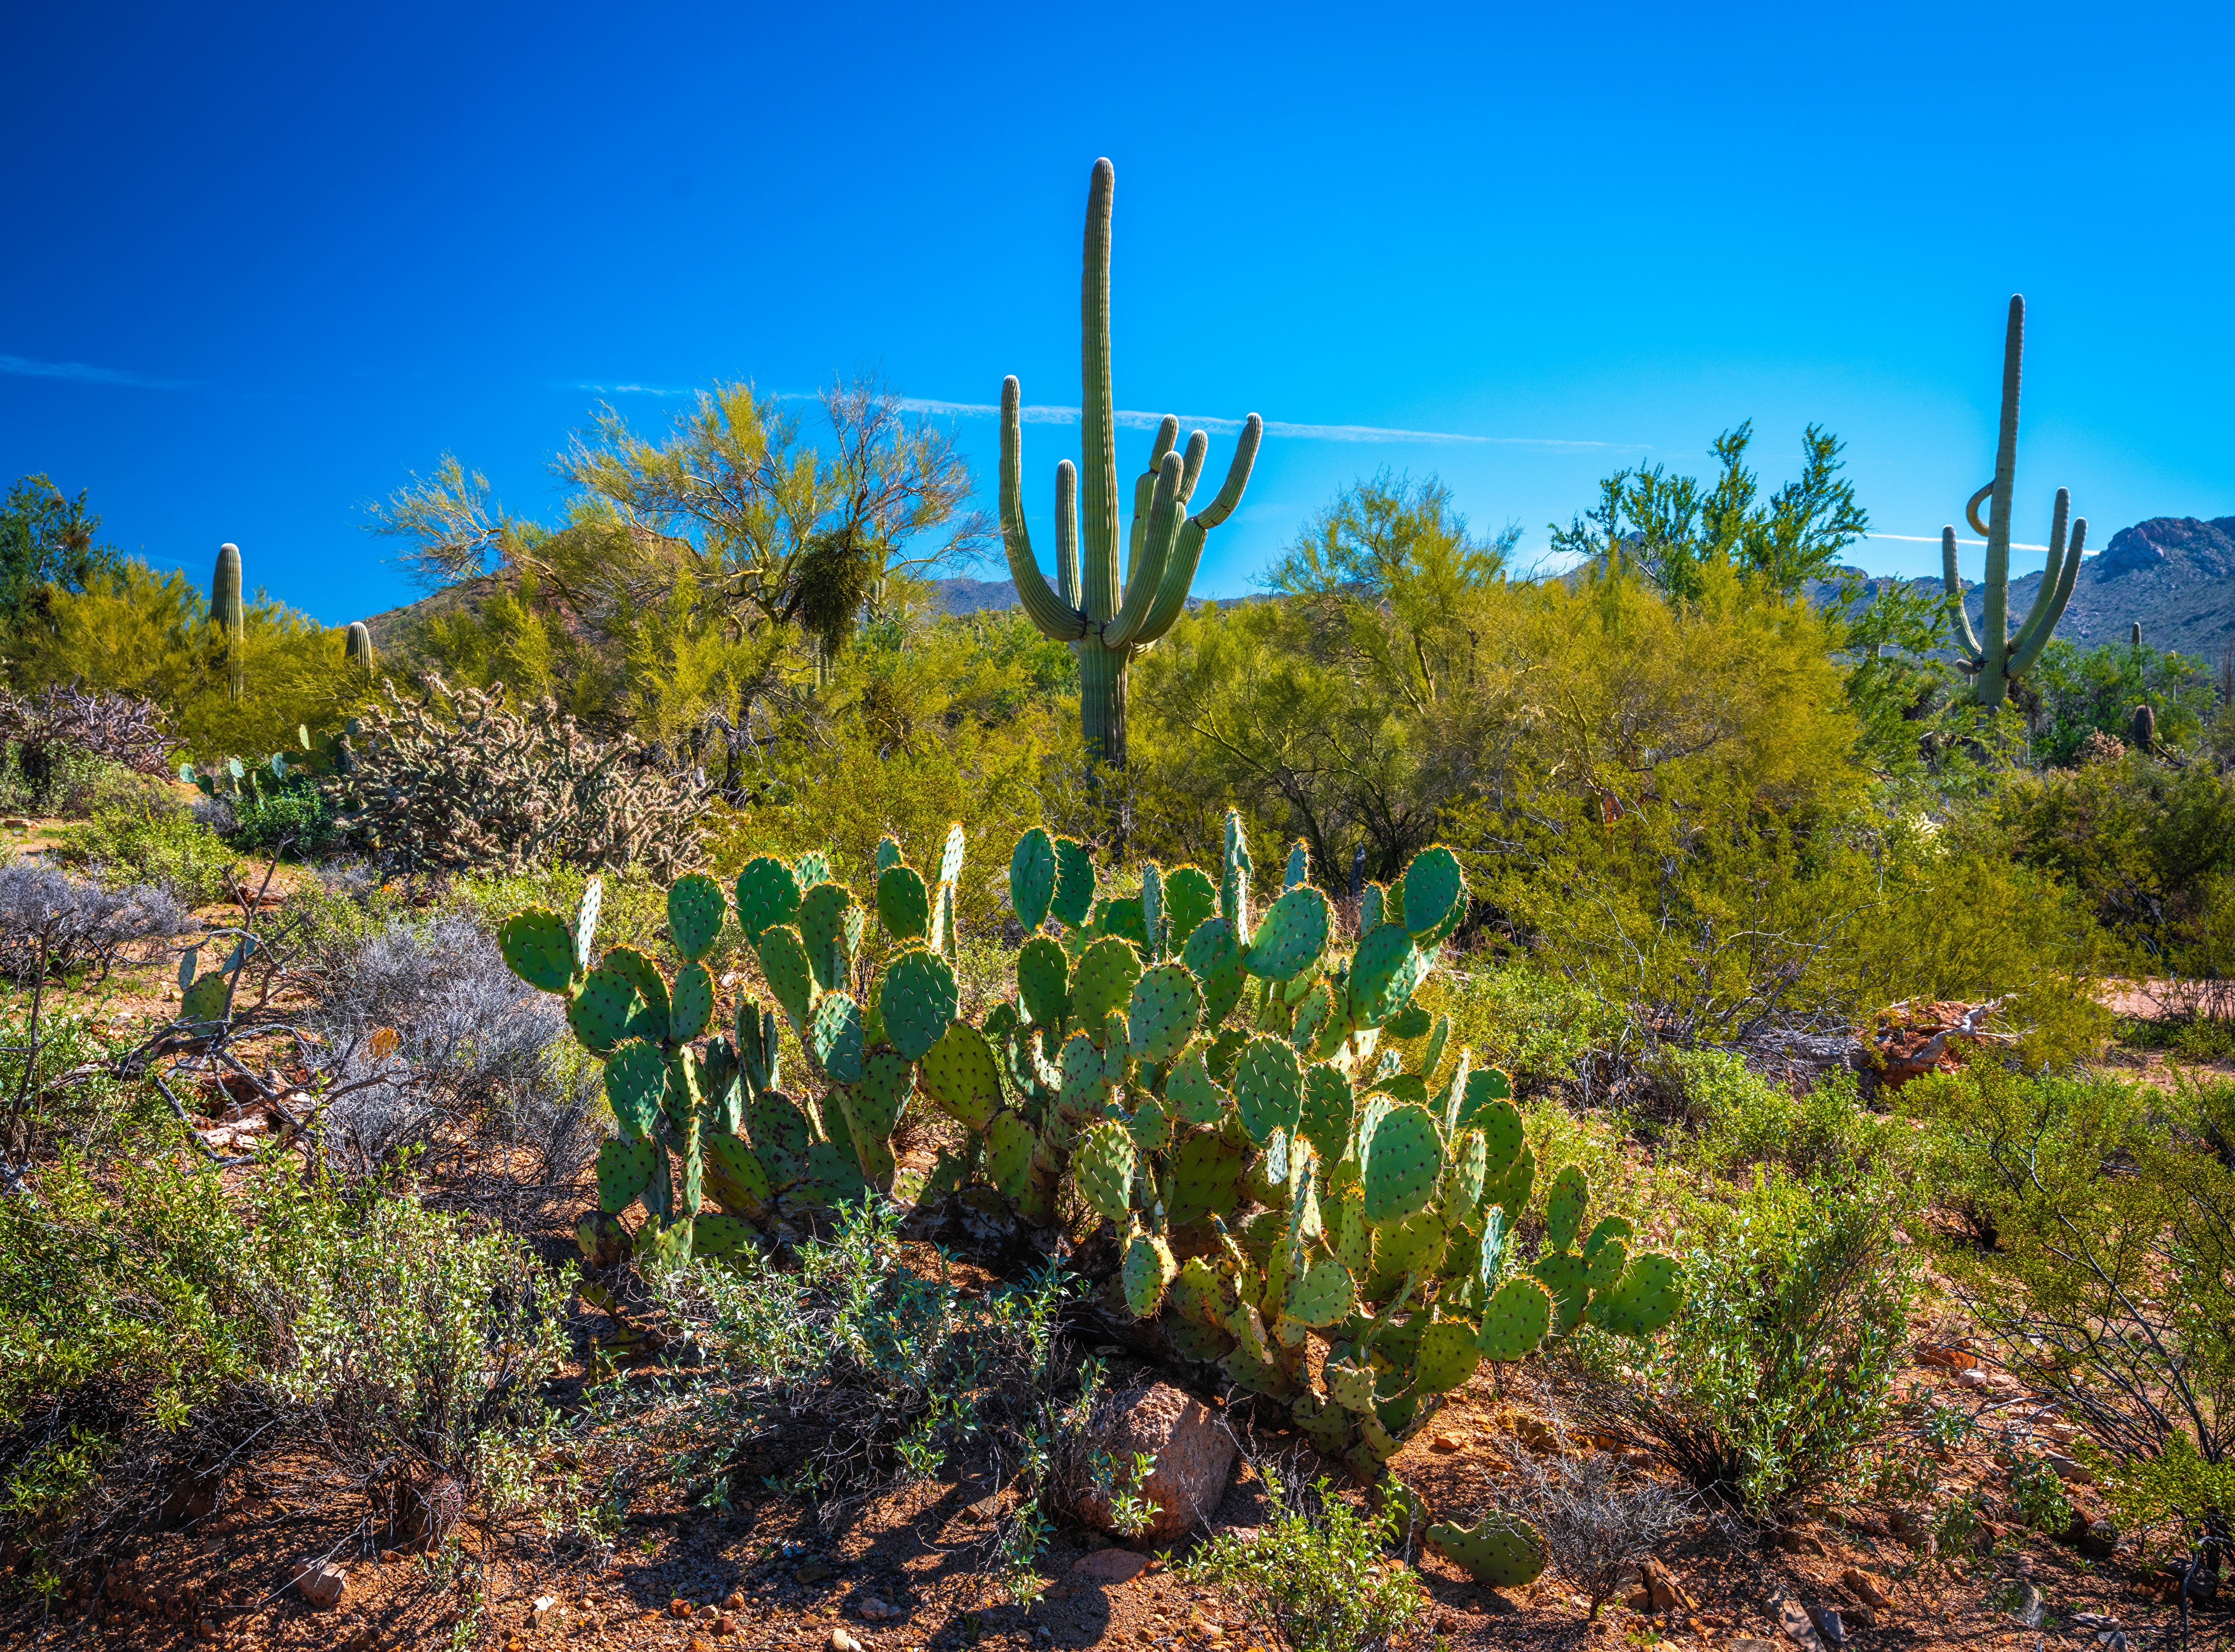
x=358 y=643
x=1106 y=620
x=2003 y=659
x=229 y=613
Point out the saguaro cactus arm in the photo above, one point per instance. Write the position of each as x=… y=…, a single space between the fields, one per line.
x=1959 y=618
x=1055 y=616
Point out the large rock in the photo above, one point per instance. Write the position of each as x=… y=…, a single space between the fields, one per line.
x=1192 y=1451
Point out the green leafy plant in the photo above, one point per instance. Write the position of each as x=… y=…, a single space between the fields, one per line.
x=1316 y=1577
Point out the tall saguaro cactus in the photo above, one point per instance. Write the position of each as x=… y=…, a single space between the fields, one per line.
x=1107 y=620
x=2003 y=659
x=227 y=610
x=357 y=644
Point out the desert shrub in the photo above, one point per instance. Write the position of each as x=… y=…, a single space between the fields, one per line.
x=2112 y=1277
x=2076 y=692
x=1537 y=1025
x=53 y=924
x=400 y=1335
x=144 y=834
x=1737 y=1117
x=58 y=743
x=456 y=782
x=1598 y=1517
x=430 y=1025
x=1316 y=1577
x=1775 y=1378
x=295 y=816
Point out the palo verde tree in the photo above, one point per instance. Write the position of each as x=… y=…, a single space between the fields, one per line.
x=1106 y=620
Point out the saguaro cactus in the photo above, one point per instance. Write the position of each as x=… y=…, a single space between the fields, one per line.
x=231 y=616
x=359 y=642
x=1106 y=622
x=2003 y=658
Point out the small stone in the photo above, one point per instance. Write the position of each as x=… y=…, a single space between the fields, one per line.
x=1828 y=1625
x=1865 y=1588
x=724 y=1627
x=1796 y=1542
x=322 y=1584
x=681 y=1608
x=842 y=1641
x=1663 y=1591
x=1446 y=1443
x=1110 y=1566
x=733 y=1602
x=813 y=1571
x=1748 y=1643
x=1973 y=1378
x=2029 y=1607
x=540 y=1613
x=1792 y=1617
x=2070 y=1472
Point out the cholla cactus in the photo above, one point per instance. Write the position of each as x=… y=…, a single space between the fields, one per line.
x=2001 y=658
x=1106 y=623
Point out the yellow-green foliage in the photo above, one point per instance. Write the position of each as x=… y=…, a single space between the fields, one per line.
x=135 y=630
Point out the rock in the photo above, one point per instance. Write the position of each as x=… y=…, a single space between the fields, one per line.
x=1661 y=1587
x=2070 y=1472
x=1826 y=1620
x=540 y=1613
x=681 y=1608
x=724 y=1627
x=1860 y=1617
x=1445 y=1443
x=733 y=1602
x=842 y=1641
x=1793 y=1541
x=876 y=1608
x=1748 y=1643
x=812 y=1571
x=1865 y=1588
x=1792 y=1617
x=2029 y=1608
x=1110 y=1566
x=322 y=1584
x=1193 y=1452
x=1975 y=1380
x=1641 y=1602
x=2096 y=1539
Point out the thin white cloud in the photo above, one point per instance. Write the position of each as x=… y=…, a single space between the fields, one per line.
x=1037 y=413
x=632 y=390
x=81 y=373
x=1934 y=539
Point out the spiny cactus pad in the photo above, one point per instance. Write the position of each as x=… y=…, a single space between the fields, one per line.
x=1103 y=980
x=960 y=1074
x=586 y=922
x=1074 y=882
x=1165 y=1007
x=538 y=949
x=1190 y=899
x=1435 y=895
x=600 y=1012
x=1412 y=1245
x=1215 y=962
x=636 y=1083
x=1485 y=1087
x=1043 y=981
x=1291 y=935
x=1103 y=1162
x=1511 y=1192
x=1148 y=1268
x=1445 y=1358
x=1645 y=1299
x=1189 y=1087
x=780 y=1136
x=834 y=1037
x=1563 y=1210
x=903 y=903
x=1403 y=1161
x=822 y=913
x=790 y=977
x=1465 y=1168
x=690 y=1002
x=1031 y=878
x=1269 y=1088
x=881 y=1096
x=718 y=1237
x=1205 y=1178
x=1009 y=1145
x=1501 y=1549
x=696 y=907
x=1328 y=1111
x=950 y=852
x=623 y=1168
x=1382 y=973
x=736 y=1176
x=767 y=895
x=918 y=1002
x=1567 y=1277
x=1515 y=1321
x=1321 y=1295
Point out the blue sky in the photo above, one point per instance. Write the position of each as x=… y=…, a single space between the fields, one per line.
x=263 y=263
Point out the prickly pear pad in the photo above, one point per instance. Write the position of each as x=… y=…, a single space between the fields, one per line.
x=1269 y=1088
x=538 y=949
x=960 y=1074
x=1074 y=882
x=1321 y=1295
x=823 y=913
x=780 y=1136
x=1215 y=962
x=1382 y=973
x=1501 y=1549
x=736 y=1176
x=585 y=923
x=1403 y=1161
x=1103 y=980
x=690 y=1002
x=950 y=852
x=636 y=1083
x=903 y=903
x=1292 y=936
x=1515 y=1321
x=1161 y=1017
x=1645 y=1299
x=1205 y=1179
x=1103 y=1164
x=1567 y=1277
x=1435 y=895
x=600 y=1012
x=1188 y=1087
x=1328 y=1111
x=1563 y=1210
x=1148 y=1268
x=623 y=1168
x=1190 y=898
x=919 y=1001
x=1043 y=981
x=1464 y=1169
x=834 y=1036
x=1032 y=879
x=696 y=907
x=1009 y=1145
x=790 y=977
x=767 y=895
x=1447 y=1356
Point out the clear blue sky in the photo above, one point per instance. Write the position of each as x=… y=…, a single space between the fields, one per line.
x=264 y=262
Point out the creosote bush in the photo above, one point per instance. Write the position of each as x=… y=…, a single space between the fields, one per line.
x=1316 y=1577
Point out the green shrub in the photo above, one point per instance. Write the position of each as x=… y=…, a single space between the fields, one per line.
x=1737 y=1117
x=2078 y=691
x=1776 y=1376
x=143 y=833
x=1315 y=1576
x=295 y=815
x=1539 y=1026
x=72 y=781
